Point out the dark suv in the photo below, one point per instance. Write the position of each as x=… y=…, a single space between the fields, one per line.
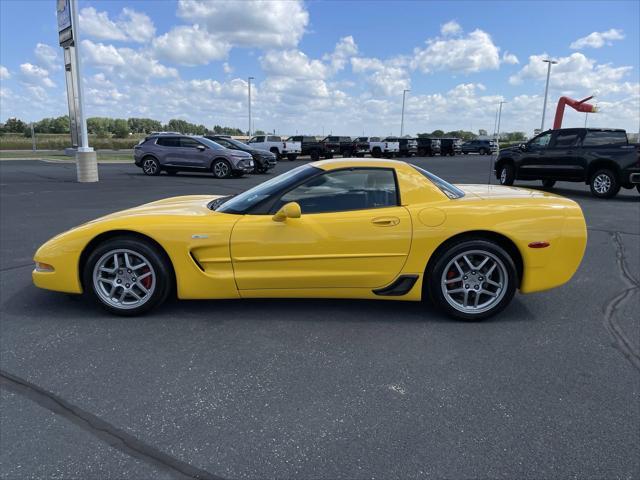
x=173 y=153
x=408 y=145
x=483 y=147
x=602 y=158
x=262 y=160
x=334 y=145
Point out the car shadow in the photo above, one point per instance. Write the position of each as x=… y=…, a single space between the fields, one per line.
x=38 y=303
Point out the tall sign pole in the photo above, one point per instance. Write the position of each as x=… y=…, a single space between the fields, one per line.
x=404 y=93
x=86 y=159
x=546 y=91
x=249 y=84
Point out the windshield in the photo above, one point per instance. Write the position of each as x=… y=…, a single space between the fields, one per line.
x=449 y=190
x=210 y=143
x=245 y=201
x=240 y=145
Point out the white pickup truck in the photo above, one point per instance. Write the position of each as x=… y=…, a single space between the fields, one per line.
x=379 y=148
x=277 y=146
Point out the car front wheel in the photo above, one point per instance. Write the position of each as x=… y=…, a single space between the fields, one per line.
x=292 y=157
x=127 y=276
x=507 y=174
x=221 y=168
x=604 y=184
x=472 y=279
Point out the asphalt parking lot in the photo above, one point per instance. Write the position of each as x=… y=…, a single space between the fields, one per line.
x=312 y=388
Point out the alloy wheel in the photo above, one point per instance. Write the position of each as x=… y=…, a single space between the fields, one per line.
x=150 y=166
x=602 y=183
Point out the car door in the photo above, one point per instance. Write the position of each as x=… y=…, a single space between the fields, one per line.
x=170 y=151
x=559 y=161
x=193 y=153
x=532 y=162
x=352 y=233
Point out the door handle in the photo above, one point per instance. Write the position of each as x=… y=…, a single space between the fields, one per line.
x=386 y=221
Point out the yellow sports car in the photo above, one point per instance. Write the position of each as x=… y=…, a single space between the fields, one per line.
x=350 y=228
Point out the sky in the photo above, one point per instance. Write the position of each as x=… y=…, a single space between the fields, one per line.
x=323 y=67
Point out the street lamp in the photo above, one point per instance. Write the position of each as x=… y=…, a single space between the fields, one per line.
x=404 y=93
x=497 y=137
x=546 y=91
x=249 y=85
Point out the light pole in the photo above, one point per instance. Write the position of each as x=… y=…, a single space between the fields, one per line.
x=249 y=85
x=497 y=138
x=546 y=91
x=404 y=93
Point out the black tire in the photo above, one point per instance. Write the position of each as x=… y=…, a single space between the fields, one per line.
x=328 y=156
x=221 y=168
x=482 y=151
x=162 y=278
x=604 y=184
x=315 y=155
x=275 y=151
x=151 y=166
x=376 y=153
x=506 y=175
x=435 y=278
x=548 y=183
x=292 y=157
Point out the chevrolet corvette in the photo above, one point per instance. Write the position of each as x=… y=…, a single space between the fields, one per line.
x=348 y=228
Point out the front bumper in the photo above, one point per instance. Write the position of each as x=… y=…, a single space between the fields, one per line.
x=634 y=178
x=244 y=165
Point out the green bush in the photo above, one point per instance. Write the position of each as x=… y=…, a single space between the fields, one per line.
x=51 y=141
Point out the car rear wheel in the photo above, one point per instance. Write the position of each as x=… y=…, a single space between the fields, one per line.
x=472 y=279
x=150 y=166
x=604 y=184
x=376 y=153
x=276 y=152
x=548 y=183
x=507 y=174
x=127 y=276
x=292 y=157
x=221 y=168
x=315 y=156
x=483 y=151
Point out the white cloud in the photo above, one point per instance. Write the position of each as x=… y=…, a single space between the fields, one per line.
x=226 y=68
x=190 y=46
x=509 y=58
x=48 y=56
x=250 y=23
x=292 y=63
x=472 y=53
x=130 y=25
x=4 y=73
x=577 y=72
x=386 y=78
x=125 y=63
x=451 y=28
x=598 y=39
x=36 y=76
x=345 y=49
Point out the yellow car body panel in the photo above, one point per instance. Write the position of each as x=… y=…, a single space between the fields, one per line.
x=332 y=255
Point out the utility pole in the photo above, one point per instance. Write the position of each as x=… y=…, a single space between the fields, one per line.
x=497 y=140
x=33 y=138
x=546 y=91
x=404 y=93
x=249 y=85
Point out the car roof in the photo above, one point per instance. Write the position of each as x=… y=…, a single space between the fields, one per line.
x=357 y=162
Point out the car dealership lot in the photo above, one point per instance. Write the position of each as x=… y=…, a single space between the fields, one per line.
x=313 y=388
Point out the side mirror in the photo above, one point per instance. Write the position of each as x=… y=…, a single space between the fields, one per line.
x=290 y=210
x=523 y=146
x=201 y=148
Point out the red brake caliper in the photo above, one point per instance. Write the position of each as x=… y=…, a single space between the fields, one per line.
x=146 y=282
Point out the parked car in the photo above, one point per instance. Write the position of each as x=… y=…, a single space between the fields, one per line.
x=361 y=229
x=483 y=147
x=381 y=148
x=275 y=145
x=335 y=145
x=407 y=146
x=428 y=147
x=450 y=146
x=173 y=153
x=602 y=158
x=360 y=146
x=310 y=146
x=263 y=161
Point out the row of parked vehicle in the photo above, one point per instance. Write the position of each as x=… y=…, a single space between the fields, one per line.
x=377 y=147
x=226 y=157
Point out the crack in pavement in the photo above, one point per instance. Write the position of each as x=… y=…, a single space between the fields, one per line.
x=15 y=267
x=621 y=341
x=102 y=430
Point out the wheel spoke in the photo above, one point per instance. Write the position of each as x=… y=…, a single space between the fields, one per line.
x=483 y=263
x=465 y=300
x=495 y=284
x=476 y=299
x=456 y=290
x=466 y=259
x=487 y=292
x=453 y=280
x=127 y=263
x=139 y=266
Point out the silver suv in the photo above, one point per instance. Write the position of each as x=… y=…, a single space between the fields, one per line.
x=173 y=153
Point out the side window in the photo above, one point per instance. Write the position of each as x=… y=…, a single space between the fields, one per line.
x=344 y=190
x=540 y=142
x=566 y=139
x=257 y=140
x=168 y=142
x=274 y=139
x=601 y=138
x=223 y=142
x=189 y=143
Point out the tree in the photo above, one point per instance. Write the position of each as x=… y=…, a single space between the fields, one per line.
x=120 y=128
x=437 y=133
x=482 y=132
x=257 y=132
x=14 y=125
